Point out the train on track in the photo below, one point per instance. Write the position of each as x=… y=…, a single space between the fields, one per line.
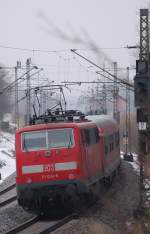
x=65 y=160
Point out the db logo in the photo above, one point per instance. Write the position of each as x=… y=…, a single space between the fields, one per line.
x=49 y=167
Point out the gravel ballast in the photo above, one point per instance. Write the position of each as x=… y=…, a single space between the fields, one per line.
x=112 y=214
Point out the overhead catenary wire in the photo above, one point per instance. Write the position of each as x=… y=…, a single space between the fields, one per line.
x=121 y=82
x=87 y=82
x=10 y=86
x=102 y=69
x=20 y=79
x=107 y=69
x=61 y=50
x=13 y=83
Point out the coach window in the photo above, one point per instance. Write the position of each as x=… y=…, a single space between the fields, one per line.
x=117 y=139
x=106 y=149
x=106 y=145
x=34 y=140
x=111 y=142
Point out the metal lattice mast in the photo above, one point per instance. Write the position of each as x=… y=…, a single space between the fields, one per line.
x=44 y=103
x=144 y=35
x=142 y=100
x=16 y=98
x=28 y=99
x=16 y=95
x=143 y=138
x=115 y=95
x=128 y=129
x=128 y=113
x=41 y=103
x=104 y=96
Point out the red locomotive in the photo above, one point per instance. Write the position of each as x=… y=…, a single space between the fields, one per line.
x=60 y=161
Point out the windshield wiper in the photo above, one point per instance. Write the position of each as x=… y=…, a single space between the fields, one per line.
x=70 y=141
x=25 y=146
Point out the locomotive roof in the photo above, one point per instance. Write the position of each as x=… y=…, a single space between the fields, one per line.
x=101 y=121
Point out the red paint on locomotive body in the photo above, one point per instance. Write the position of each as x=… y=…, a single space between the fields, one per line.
x=53 y=156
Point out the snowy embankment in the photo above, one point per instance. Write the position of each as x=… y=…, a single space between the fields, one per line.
x=7 y=154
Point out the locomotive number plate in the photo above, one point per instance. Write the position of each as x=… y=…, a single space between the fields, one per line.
x=49 y=167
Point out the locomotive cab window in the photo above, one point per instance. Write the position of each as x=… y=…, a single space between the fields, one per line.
x=60 y=138
x=55 y=138
x=34 y=140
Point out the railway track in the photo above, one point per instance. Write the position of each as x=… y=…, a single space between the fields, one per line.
x=7 y=189
x=8 y=195
x=40 y=226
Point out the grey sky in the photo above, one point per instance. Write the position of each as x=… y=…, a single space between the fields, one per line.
x=110 y=23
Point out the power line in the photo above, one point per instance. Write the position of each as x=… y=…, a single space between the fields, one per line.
x=105 y=48
x=87 y=82
x=33 y=50
x=61 y=50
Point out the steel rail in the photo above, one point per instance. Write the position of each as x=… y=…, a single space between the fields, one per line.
x=23 y=226
x=51 y=227
x=9 y=200
x=7 y=189
x=50 y=224
x=58 y=225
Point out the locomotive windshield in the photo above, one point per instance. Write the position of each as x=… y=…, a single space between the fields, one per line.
x=55 y=138
x=60 y=138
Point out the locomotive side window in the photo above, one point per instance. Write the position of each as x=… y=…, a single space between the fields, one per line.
x=97 y=135
x=87 y=136
x=34 y=140
x=91 y=136
x=60 y=138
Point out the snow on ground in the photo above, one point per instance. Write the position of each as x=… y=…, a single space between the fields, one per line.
x=135 y=163
x=7 y=154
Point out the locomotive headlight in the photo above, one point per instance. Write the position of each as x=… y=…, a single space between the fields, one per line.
x=29 y=180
